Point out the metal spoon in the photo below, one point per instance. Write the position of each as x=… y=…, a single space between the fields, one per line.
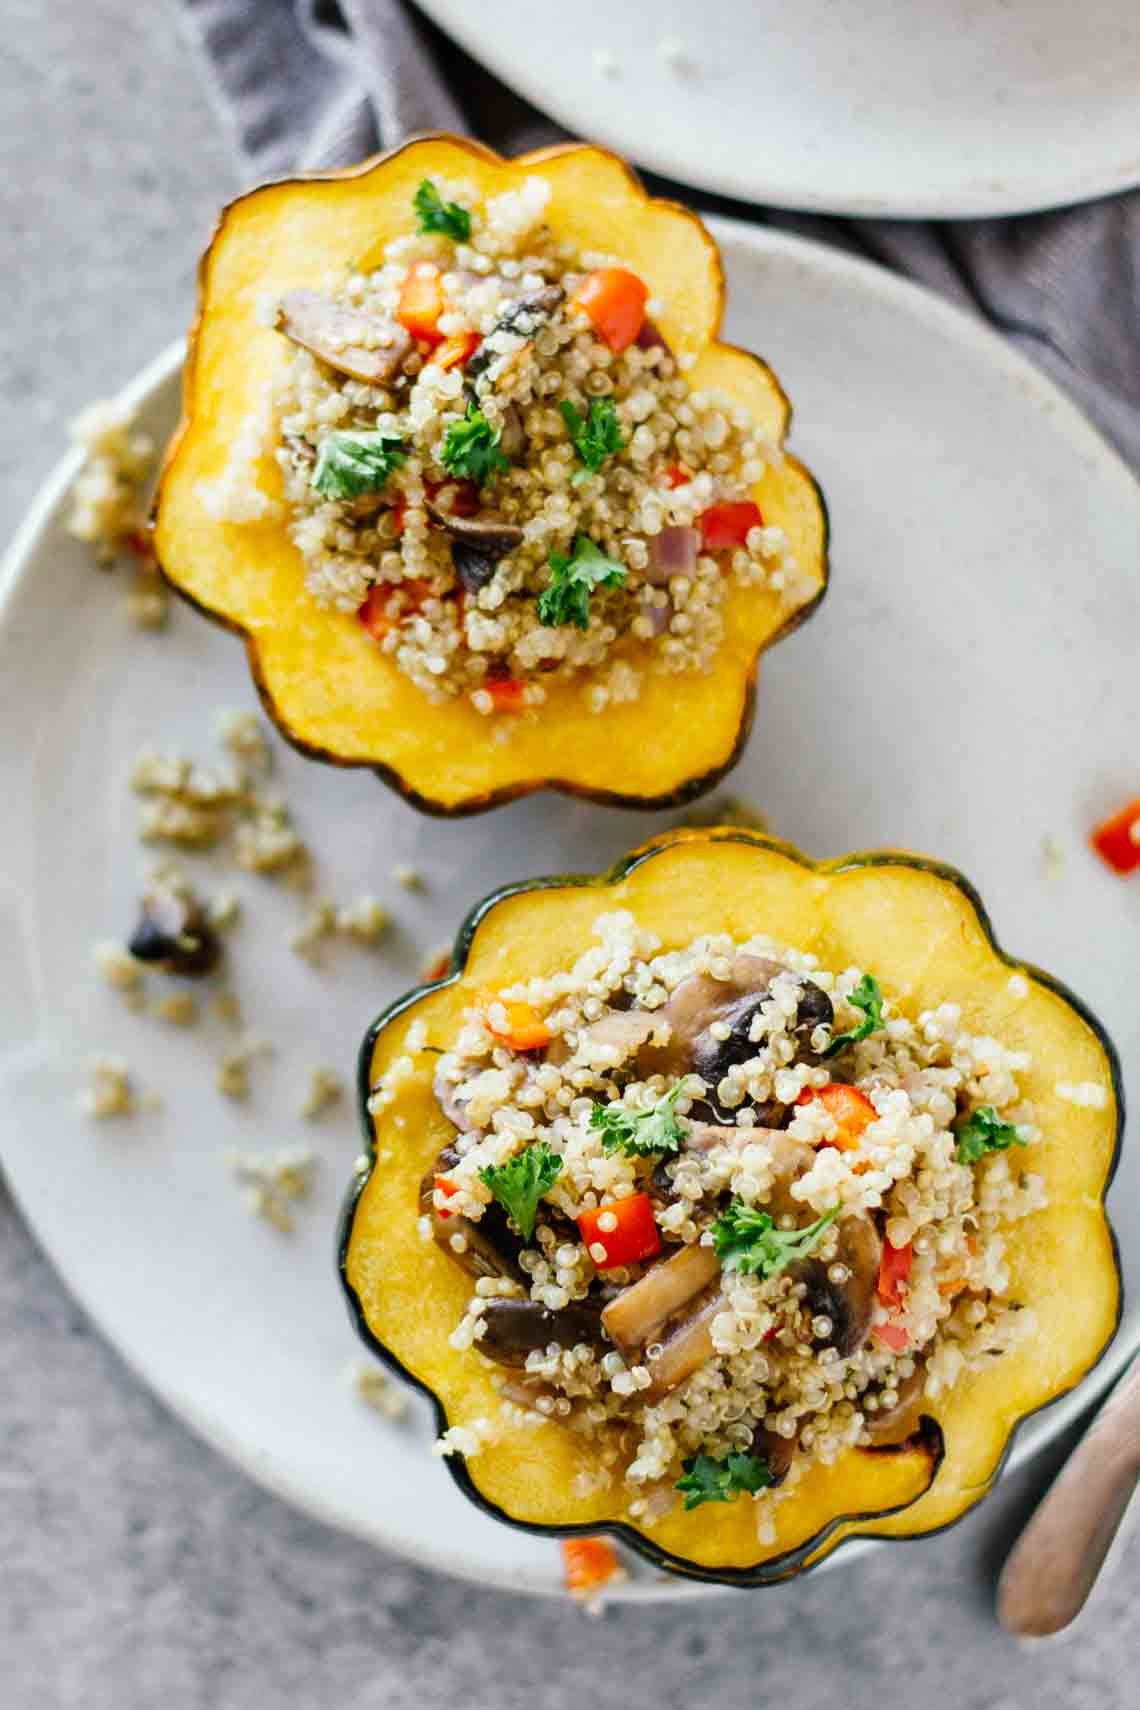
x=1054 y=1564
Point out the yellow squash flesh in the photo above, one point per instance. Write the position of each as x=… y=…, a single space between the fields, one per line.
x=921 y=929
x=324 y=681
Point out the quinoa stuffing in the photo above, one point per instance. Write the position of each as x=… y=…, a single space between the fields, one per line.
x=725 y=1211
x=491 y=456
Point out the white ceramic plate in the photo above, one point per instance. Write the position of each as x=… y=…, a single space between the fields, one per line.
x=901 y=107
x=968 y=688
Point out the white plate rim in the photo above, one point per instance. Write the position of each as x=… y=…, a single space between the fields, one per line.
x=650 y=151
x=862 y=276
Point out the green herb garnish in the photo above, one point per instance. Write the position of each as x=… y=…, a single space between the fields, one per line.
x=869 y=999
x=519 y=1184
x=349 y=463
x=471 y=449
x=709 y=1480
x=747 y=1240
x=572 y=580
x=984 y=1131
x=433 y=214
x=594 y=437
x=640 y=1133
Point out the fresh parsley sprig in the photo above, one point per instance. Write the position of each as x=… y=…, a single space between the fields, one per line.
x=566 y=599
x=520 y=1183
x=748 y=1241
x=350 y=463
x=471 y=449
x=641 y=1133
x=433 y=214
x=984 y=1131
x=869 y=999
x=709 y=1480
x=595 y=436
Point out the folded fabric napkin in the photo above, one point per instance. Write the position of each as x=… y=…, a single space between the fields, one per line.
x=319 y=83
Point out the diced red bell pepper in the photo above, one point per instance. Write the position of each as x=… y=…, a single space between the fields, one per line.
x=381 y=612
x=448 y=1189
x=625 y=1229
x=506 y=692
x=729 y=524
x=421 y=302
x=457 y=350
x=675 y=476
x=894 y=1269
x=850 y=1110
x=523 y=1029
x=588 y=1564
x=615 y=299
x=893 y=1335
x=1117 y=840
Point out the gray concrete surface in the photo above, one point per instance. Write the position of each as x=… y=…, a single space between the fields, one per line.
x=137 y=1569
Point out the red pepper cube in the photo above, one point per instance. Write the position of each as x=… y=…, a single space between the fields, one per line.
x=729 y=524
x=625 y=1229
x=894 y=1269
x=894 y=1336
x=1117 y=840
x=614 y=299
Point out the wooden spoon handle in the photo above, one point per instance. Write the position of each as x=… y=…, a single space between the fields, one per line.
x=1054 y=1564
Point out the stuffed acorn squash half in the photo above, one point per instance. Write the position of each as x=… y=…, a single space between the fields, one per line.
x=735 y=1204
x=463 y=459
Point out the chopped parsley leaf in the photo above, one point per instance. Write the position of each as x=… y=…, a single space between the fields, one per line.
x=984 y=1131
x=572 y=580
x=747 y=1240
x=594 y=437
x=350 y=463
x=709 y=1480
x=520 y=1183
x=433 y=214
x=869 y=999
x=471 y=449
x=641 y=1133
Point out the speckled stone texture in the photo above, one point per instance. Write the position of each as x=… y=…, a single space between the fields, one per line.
x=137 y=1569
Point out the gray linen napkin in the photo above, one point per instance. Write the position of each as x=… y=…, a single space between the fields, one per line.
x=315 y=83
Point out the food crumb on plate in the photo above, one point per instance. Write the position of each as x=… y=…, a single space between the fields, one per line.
x=275 y=1181
x=232 y=1078
x=377 y=1390
x=409 y=877
x=179 y=1009
x=120 y=970
x=325 y=1089
x=109 y=1089
x=243 y=733
x=1052 y=857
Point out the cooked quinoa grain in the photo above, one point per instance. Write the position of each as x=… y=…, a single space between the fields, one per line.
x=721 y=1201
x=490 y=454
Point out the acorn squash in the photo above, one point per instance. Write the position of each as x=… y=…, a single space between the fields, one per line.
x=924 y=930
x=331 y=692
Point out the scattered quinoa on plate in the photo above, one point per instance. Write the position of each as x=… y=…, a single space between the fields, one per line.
x=725 y=1211
x=491 y=455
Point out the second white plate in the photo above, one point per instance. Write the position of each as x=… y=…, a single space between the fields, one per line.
x=937 y=108
x=968 y=688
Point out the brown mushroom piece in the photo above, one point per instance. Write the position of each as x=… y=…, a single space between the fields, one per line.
x=477 y=543
x=890 y=1426
x=352 y=342
x=636 y=1315
x=174 y=933
x=516 y=1328
x=452 y=1107
x=684 y=1350
x=525 y=316
x=777 y=1451
x=849 y=1305
x=490 y=1248
x=700 y=1001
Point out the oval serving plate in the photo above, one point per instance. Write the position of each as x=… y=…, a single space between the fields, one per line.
x=968 y=690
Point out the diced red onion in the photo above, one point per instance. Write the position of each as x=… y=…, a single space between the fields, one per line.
x=658 y=615
x=673 y=552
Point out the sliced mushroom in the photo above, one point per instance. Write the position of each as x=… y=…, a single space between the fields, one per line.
x=640 y=1311
x=489 y=1247
x=524 y=318
x=893 y=1425
x=778 y=1451
x=526 y=1391
x=349 y=340
x=516 y=1328
x=849 y=1305
x=174 y=933
x=688 y=1348
x=477 y=543
x=446 y=1092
